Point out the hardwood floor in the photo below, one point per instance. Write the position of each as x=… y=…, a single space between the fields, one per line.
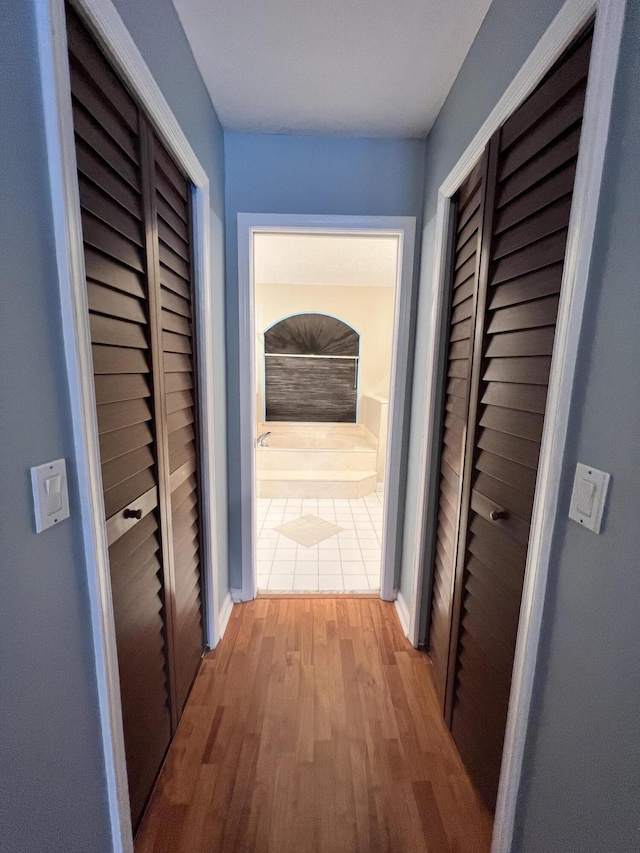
x=314 y=728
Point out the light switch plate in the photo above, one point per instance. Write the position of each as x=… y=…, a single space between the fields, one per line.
x=588 y=497
x=50 y=495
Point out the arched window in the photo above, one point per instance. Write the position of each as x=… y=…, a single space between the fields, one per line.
x=311 y=370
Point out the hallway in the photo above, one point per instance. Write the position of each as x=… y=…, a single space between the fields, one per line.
x=314 y=727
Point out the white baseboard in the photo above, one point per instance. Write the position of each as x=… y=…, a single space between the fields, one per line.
x=237 y=595
x=403 y=613
x=225 y=613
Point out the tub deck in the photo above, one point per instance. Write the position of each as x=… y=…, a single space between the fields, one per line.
x=316 y=460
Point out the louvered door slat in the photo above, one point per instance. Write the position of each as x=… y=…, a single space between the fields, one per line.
x=171 y=238
x=168 y=216
x=171 y=196
x=97 y=203
x=128 y=386
x=536 y=152
x=85 y=93
x=111 y=242
x=540 y=166
x=173 y=282
x=544 y=192
x=104 y=176
x=530 y=342
x=111 y=303
x=82 y=50
x=100 y=144
x=176 y=323
x=555 y=87
x=535 y=285
x=103 y=270
x=556 y=122
x=512 y=448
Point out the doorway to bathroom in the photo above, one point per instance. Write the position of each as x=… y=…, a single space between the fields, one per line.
x=323 y=321
x=324 y=310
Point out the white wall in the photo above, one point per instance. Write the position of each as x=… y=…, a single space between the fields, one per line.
x=374 y=414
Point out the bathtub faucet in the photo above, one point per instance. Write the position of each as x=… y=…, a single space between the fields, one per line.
x=263 y=440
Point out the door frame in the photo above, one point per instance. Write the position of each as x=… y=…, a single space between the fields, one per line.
x=567 y=24
x=404 y=228
x=107 y=27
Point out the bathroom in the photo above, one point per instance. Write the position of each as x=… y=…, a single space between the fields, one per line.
x=324 y=322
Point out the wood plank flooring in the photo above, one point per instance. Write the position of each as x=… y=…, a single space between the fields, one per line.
x=314 y=728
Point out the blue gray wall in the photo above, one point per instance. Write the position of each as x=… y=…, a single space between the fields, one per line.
x=581 y=790
x=297 y=174
x=52 y=780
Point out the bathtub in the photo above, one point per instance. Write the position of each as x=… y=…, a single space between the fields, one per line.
x=317 y=437
x=316 y=461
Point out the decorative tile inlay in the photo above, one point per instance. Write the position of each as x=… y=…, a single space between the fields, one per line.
x=309 y=530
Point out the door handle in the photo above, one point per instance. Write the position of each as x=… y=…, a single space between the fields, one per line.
x=133 y=513
x=498 y=514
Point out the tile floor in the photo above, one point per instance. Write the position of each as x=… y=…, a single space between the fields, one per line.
x=348 y=561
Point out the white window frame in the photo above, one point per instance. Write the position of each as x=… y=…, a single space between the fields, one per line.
x=106 y=25
x=567 y=24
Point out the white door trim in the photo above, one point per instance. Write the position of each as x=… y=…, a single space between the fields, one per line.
x=571 y=18
x=250 y=224
x=102 y=18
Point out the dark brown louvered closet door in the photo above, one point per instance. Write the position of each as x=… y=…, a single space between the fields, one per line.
x=462 y=309
x=140 y=316
x=110 y=183
x=531 y=181
x=172 y=216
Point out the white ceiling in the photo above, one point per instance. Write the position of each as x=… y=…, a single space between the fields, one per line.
x=353 y=67
x=334 y=259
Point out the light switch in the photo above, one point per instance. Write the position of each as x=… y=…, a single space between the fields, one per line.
x=584 y=500
x=50 y=495
x=53 y=488
x=589 y=496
